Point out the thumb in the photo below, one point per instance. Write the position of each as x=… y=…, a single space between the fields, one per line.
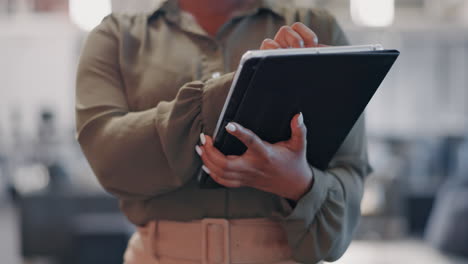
x=298 y=139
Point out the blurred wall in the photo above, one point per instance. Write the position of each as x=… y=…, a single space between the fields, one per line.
x=37 y=69
x=125 y=6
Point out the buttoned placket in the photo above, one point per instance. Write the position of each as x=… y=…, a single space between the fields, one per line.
x=210 y=63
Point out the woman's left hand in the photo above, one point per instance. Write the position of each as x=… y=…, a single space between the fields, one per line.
x=279 y=168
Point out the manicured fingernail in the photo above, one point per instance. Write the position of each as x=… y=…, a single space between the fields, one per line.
x=198 y=150
x=202 y=139
x=231 y=127
x=206 y=169
x=300 y=120
x=301 y=43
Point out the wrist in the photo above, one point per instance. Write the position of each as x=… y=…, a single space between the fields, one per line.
x=305 y=187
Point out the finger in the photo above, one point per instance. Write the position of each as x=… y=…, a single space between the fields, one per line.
x=215 y=170
x=231 y=166
x=222 y=177
x=216 y=161
x=298 y=141
x=269 y=44
x=212 y=154
x=225 y=182
x=210 y=165
x=246 y=136
x=230 y=176
x=235 y=174
x=205 y=153
x=309 y=36
x=288 y=38
x=220 y=180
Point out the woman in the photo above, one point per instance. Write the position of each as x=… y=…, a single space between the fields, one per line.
x=150 y=89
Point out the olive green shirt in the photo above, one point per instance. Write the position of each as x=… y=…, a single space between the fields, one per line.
x=149 y=84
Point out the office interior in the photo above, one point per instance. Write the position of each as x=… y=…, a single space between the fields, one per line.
x=415 y=204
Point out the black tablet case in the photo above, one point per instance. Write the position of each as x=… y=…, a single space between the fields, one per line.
x=331 y=90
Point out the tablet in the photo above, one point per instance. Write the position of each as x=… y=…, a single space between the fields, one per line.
x=331 y=86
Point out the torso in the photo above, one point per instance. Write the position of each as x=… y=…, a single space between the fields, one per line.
x=157 y=57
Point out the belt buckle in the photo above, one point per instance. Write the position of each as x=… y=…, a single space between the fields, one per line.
x=206 y=222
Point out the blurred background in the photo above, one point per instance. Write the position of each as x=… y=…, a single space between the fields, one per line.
x=415 y=207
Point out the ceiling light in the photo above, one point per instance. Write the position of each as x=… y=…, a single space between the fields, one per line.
x=87 y=14
x=373 y=13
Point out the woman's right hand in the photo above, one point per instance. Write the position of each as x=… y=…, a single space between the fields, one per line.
x=296 y=36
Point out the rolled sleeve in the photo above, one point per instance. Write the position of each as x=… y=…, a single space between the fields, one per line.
x=322 y=224
x=306 y=208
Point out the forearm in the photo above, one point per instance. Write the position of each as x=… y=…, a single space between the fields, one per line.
x=138 y=155
x=321 y=225
x=126 y=155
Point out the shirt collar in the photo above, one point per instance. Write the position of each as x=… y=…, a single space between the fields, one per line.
x=172 y=12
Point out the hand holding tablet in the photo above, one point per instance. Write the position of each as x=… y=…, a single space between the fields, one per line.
x=331 y=86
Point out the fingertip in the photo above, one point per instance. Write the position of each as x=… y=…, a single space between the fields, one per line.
x=198 y=150
x=285 y=27
x=316 y=40
x=205 y=169
x=309 y=36
x=269 y=44
x=297 y=120
x=202 y=138
x=299 y=132
x=298 y=125
x=300 y=120
x=231 y=127
x=298 y=23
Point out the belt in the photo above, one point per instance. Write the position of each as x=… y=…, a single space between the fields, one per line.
x=219 y=241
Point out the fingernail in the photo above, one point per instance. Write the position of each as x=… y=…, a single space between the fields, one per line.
x=205 y=169
x=198 y=150
x=316 y=40
x=300 y=120
x=231 y=127
x=301 y=43
x=202 y=139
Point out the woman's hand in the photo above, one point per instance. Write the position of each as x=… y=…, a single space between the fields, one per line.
x=296 y=36
x=279 y=168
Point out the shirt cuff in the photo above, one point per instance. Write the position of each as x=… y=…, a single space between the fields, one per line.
x=313 y=200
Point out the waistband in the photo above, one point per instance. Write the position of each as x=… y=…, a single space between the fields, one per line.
x=213 y=240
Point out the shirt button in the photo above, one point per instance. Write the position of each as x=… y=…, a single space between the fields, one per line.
x=215 y=75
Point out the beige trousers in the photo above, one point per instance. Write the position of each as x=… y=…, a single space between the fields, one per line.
x=209 y=241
